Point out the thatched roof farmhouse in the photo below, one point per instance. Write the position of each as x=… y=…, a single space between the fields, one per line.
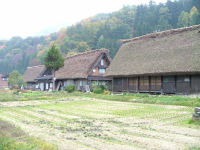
x=171 y=56
x=81 y=70
x=31 y=74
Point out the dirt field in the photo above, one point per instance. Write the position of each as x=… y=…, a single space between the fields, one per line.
x=91 y=124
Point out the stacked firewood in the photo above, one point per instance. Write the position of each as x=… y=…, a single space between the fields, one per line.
x=196 y=114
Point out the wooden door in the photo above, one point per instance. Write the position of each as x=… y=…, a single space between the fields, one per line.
x=195 y=84
x=144 y=84
x=133 y=84
x=183 y=84
x=117 y=84
x=125 y=84
x=156 y=84
x=169 y=84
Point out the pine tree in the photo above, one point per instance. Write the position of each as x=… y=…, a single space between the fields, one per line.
x=54 y=61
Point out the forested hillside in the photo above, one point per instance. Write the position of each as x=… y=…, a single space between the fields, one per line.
x=100 y=31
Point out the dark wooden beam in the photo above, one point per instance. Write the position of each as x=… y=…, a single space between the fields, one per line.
x=128 y=85
x=138 y=85
x=175 y=84
x=149 y=78
x=161 y=84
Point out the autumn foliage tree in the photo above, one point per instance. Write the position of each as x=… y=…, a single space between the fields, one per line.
x=54 y=61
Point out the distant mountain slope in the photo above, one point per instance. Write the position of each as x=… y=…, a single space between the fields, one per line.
x=100 y=31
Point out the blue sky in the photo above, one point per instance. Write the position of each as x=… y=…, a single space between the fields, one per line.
x=30 y=17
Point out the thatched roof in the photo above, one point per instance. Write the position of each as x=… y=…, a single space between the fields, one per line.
x=169 y=52
x=33 y=72
x=78 y=66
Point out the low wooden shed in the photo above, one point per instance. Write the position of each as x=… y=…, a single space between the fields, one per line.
x=161 y=62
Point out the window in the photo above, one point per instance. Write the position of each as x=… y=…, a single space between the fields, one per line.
x=94 y=70
x=4 y=79
x=81 y=83
x=37 y=86
x=102 y=71
x=47 y=86
x=165 y=80
x=51 y=85
x=102 y=63
x=65 y=83
x=187 y=79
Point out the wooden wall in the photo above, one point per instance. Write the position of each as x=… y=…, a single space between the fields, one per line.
x=186 y=84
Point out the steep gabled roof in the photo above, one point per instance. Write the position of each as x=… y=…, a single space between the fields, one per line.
x=168 y=52
x=79 y=65
x=33 y=72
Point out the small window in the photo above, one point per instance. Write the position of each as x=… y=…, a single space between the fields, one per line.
x=187 y=79
x=51 y=85
x=165 y=80
x=37 y=86
x=81 y=83
x=102 y=71
x=94 y=70
x=47 y=86
x=65 y=83
x=102 y=63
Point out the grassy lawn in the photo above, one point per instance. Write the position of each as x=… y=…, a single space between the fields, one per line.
x=12 y=138
x=7 y=95
x=86 y=123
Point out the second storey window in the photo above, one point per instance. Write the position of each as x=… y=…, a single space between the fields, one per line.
x=102 y=71
x=102 y=62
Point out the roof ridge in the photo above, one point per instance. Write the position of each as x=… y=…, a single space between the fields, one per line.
x=162 y=33
x=87 y=52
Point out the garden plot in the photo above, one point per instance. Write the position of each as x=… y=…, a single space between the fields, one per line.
x=85 y=123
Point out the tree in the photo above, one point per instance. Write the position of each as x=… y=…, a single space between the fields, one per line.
x=82 y=47
x=53 y=61
x=194 y=16
x=15 y=79
x=163 y=23
x=101 y=42
x=183 y=19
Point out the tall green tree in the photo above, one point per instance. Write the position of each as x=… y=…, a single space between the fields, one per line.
x=82 y=47
x=54 y=61
x=165 y=16
x=101 y=42
x=194 y=16
x=15 y=79
x=183 y=19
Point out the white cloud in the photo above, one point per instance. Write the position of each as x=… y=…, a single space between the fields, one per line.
x=28 y=17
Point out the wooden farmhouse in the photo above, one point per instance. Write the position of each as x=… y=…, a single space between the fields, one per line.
x=3 y=81
x=162 y=62
x=82 y=70
x=31 y=74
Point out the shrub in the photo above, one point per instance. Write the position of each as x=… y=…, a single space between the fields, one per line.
x=70 y=88
x=97 y=90
x=103 y=87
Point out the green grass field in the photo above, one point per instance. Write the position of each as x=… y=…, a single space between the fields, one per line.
x=13 y=138
x=7 y=95
x=105 y=122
